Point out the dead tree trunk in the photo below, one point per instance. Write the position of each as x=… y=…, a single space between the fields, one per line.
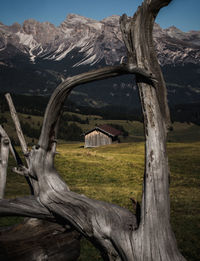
x=154 y=238
x=33 y=239
x=115 y=231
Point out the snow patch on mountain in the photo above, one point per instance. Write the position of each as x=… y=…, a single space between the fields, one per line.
x=94 y=40
x=64 y=53
x=25 y=39
x=28 y=41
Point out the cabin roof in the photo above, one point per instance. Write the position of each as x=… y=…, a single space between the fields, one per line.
x=107 y=129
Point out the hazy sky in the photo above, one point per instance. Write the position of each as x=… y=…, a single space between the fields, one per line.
x=184 y=14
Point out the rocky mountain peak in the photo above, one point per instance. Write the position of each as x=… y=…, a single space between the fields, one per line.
x=78 y=19
x=111 y=20
x=78 y=23
x=94 y=41
x=42 y=32
x=16 y=27
x=174 y=32
x=39 y=55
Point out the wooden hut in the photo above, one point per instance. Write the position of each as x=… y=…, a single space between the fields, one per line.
x=101 y=135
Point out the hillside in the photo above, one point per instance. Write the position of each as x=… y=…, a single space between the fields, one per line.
x=35 y=57
x=73 y=125
x=114 y=173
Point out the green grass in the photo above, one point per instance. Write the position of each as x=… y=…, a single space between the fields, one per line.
x=182 y=132
x=185 y=196
x=115 y=173
x=107 y=170
x=34 y=121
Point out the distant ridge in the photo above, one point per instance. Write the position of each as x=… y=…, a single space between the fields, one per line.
x=35 y=57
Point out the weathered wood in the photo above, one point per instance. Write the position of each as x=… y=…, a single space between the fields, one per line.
x=25 y=207
x=115 y=231
x=96 y=139
x=4 y=153
x=55 y=105
x=32 y=239
x=24 y=170
x=3 y=133
x=17 y=124
x=154 y=239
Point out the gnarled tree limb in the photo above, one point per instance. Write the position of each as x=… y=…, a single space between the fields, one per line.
x=30 y=207
x=112 y=229
x=60 y=94
x=26 y=207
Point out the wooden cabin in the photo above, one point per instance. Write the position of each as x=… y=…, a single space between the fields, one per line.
x=101 y=135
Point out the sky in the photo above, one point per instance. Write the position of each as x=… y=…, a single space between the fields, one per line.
x=184 y=14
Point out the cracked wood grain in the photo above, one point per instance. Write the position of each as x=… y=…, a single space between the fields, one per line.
x=114 y=230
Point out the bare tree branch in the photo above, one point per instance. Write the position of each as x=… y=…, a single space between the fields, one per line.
x=32 y=184
x=4 y=153
x=106 y=225
x=156 y=5
x=21 y=170
x=17 y=124
x=112 y=229
x=25 y=207
x=60 y=94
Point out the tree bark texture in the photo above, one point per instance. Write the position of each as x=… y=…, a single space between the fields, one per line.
x=154 y=239
x=4 y=152
x=115 y=231
x=33 y=239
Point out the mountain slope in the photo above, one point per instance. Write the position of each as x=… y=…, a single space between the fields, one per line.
x=35 y=57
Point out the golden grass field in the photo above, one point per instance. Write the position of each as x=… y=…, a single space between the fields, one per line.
x=114 y=173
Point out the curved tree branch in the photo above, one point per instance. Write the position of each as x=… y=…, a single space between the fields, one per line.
x=113 y=229
x=94 y=219
x=60 y=94
x=156 y=5
x=25 y=207
x=104 y=224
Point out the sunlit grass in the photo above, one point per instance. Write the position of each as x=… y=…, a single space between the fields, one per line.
x=115 y=174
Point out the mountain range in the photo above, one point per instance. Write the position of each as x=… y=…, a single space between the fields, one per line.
x=35 y=57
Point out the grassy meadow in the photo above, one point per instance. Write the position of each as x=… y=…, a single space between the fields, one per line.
x=182 y=132
x=114 y=173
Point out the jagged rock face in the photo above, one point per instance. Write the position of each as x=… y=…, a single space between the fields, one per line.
x=43 y=33
x=176 y=47
x=95 y=40
x=35 y=57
